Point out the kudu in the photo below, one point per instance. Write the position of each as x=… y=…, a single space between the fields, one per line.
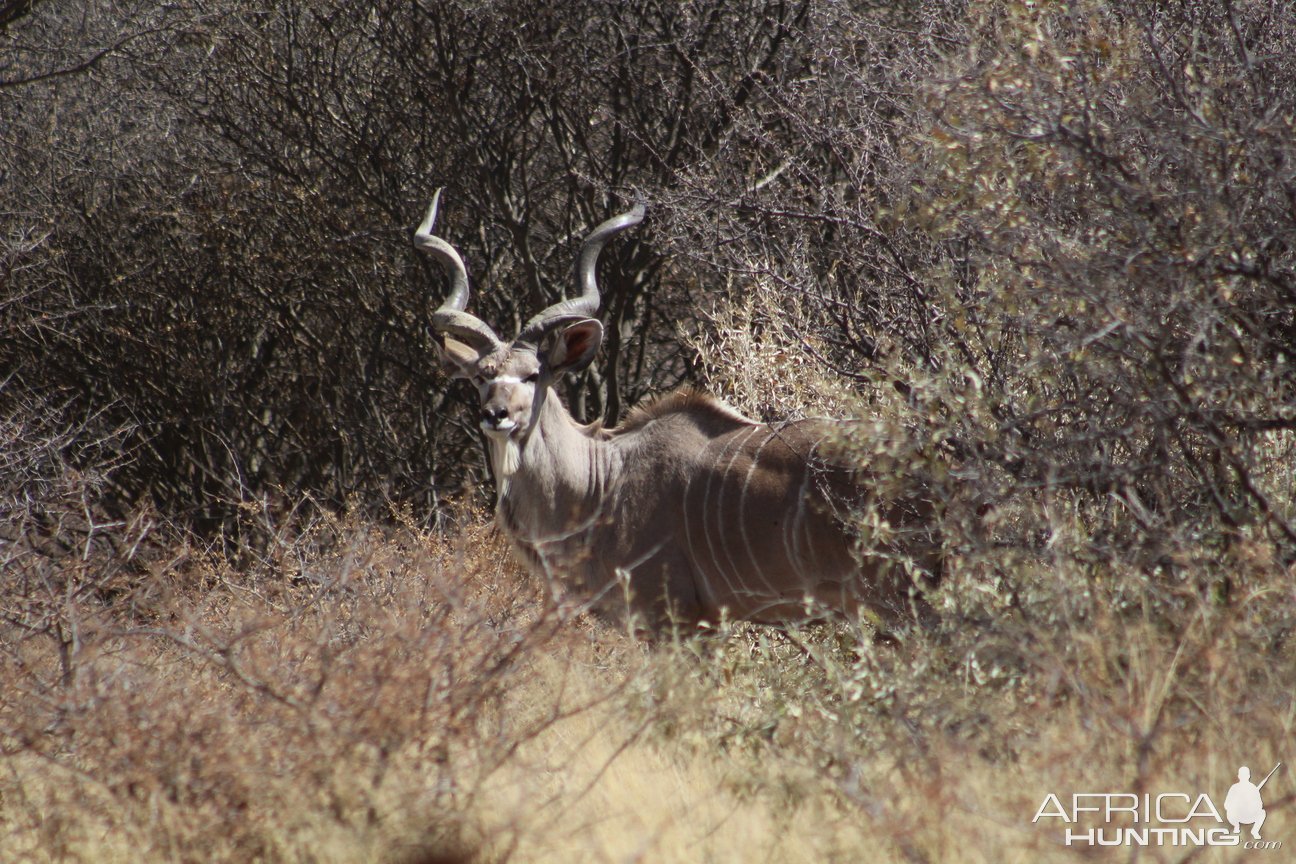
x=688 y=510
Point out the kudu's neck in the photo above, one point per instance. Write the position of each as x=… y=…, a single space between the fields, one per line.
x=558 y=463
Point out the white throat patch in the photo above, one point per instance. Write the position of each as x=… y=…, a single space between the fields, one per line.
x=506 y=458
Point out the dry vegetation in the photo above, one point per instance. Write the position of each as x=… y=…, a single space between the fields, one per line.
x=358 y=694
x=250 y=609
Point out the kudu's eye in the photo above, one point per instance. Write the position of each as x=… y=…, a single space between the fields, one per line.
x=532 y=378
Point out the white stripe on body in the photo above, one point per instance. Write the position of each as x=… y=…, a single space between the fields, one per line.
x=711 y=517
x=742 y=517
x=730 y=489
x=791 y=530
x=704 y=517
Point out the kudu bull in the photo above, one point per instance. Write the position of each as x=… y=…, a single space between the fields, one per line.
x=688 y=510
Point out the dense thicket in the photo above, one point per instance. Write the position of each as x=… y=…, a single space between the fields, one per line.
x=1053 y=243
x=1043 y=252
x=215 y=210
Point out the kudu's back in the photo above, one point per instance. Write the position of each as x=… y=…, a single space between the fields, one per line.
x=721 y=516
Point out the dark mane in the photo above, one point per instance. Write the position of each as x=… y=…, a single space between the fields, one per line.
x=683 y=400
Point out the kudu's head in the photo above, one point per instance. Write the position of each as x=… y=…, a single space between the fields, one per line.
x=512 y=377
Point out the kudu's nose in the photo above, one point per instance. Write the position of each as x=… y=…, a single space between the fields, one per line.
x=493 y=415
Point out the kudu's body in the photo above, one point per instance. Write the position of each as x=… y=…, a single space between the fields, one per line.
x=688 y=510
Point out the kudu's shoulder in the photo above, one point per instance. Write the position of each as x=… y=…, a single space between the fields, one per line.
x=785 y=445
x=684 y=408
x=687 y=416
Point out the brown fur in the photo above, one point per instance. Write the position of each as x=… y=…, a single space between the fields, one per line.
x=698 y=405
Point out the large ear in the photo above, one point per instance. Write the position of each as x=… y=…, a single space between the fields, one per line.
x=458 y=358
x=574 y=346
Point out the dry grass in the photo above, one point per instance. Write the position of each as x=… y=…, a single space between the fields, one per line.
x=404 y=698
